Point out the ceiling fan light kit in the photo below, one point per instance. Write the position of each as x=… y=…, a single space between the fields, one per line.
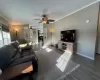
x=44 y=22
x=44 y=19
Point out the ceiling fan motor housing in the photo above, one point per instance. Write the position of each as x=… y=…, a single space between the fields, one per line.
x=44 y=18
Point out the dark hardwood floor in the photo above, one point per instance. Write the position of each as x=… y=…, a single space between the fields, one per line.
x=88 y=69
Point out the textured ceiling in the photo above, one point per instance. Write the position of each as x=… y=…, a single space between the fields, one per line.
x=24 y=11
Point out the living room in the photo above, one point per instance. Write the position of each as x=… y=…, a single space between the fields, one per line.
x=44 y=42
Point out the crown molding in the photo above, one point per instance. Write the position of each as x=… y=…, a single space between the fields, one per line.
x=8 y=20
x=5 y=18
x=79 y=9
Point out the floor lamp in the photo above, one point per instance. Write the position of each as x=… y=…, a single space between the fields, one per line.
x=51 y=31
x=16 y=33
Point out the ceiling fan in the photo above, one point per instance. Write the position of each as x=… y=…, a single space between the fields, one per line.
x=44 y=18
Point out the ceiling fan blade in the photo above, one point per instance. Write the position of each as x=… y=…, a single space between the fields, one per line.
x=47 y=22
x=37 y=15
x=37 y=19
x=40 y=22
x=45 y=11
x=51 y=20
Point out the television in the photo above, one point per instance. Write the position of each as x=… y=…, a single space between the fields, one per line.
x=68 y=35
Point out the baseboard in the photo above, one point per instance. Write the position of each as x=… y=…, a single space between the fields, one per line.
x=85 y=56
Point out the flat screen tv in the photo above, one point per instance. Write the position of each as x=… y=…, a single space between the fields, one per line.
x=68 y=35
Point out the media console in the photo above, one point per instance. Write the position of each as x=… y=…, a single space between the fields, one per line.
x=69 y=46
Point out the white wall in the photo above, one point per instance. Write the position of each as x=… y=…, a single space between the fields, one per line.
x=86 y=32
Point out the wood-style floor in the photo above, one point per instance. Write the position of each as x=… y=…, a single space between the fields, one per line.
x=88 y=69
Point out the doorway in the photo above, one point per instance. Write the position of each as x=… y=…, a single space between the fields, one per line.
x=40 y=38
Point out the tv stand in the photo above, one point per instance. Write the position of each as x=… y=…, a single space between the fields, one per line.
x=69 y=46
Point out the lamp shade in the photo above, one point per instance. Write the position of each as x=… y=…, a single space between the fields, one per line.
x=52 y=30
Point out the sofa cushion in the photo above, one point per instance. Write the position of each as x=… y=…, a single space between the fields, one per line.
x=23 y=60
x=6 y=53
x=15 y=44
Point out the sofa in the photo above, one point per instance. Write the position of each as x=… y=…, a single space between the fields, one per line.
x=22 y=51
x=10 y=56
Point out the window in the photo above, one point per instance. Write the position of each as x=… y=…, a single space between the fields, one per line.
x=6 y=37
x=1 y=38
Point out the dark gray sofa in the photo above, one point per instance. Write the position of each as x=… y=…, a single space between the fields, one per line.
x=9 y=59
x=27 y=50
x=6 y=53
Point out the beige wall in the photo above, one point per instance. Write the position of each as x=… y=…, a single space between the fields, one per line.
x=3 y=21
x=49 y=39
x=86 y=32
x=20 y=32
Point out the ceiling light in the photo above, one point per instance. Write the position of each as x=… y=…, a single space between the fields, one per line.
x=44 y=22
x=16 y=29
